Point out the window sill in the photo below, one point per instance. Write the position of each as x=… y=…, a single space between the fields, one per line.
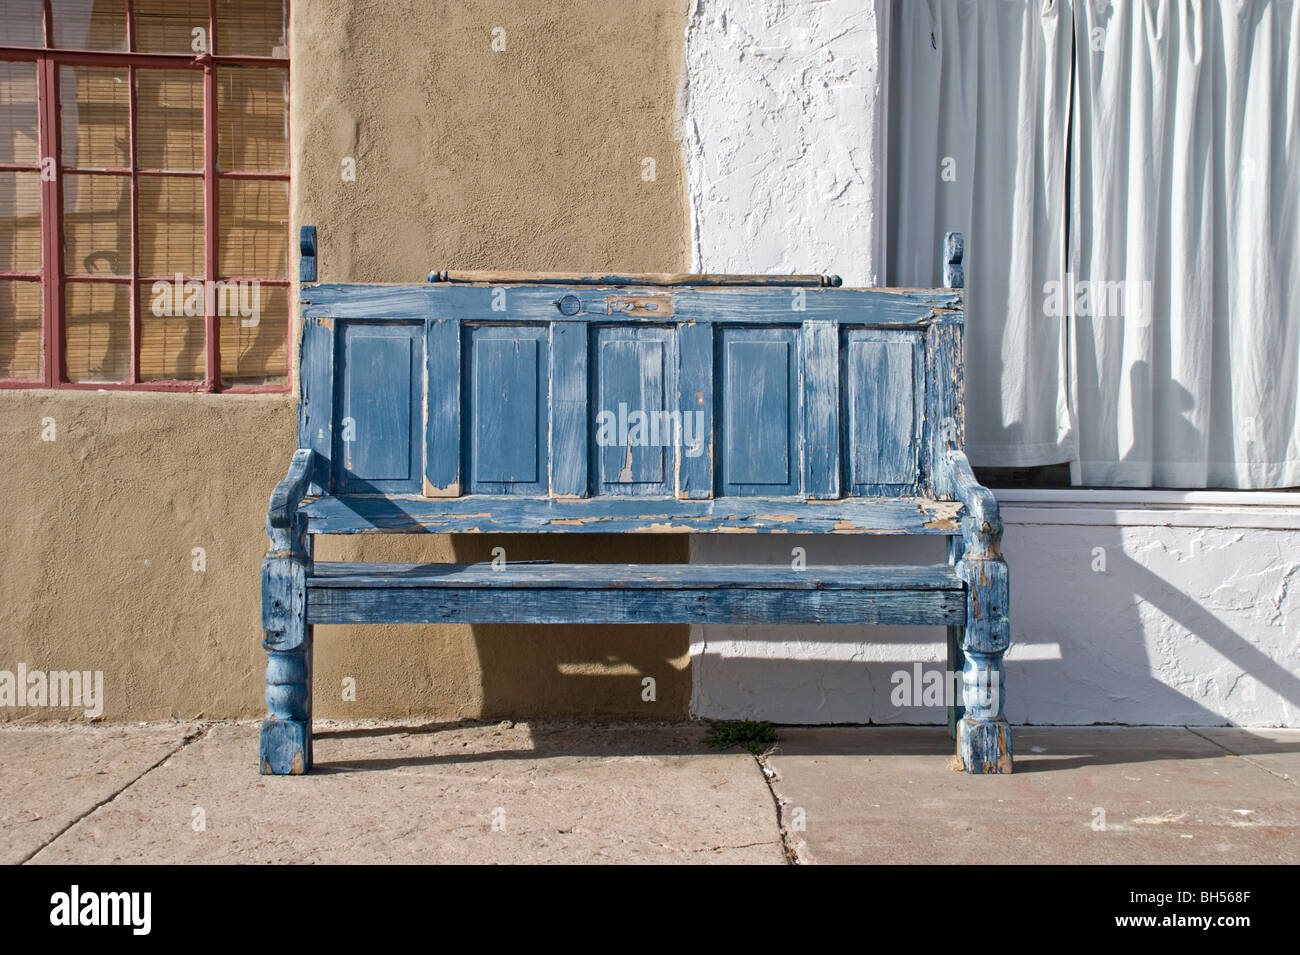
x=1137 y=507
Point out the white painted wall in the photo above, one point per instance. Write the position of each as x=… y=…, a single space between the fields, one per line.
x=1191 y=617
x=784 y=110
x=1193 y=620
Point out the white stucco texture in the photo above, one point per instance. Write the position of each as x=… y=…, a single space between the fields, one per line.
x=783 y=134
x=1137 y=624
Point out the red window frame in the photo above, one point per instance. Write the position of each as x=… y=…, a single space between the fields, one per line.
x=48 y=59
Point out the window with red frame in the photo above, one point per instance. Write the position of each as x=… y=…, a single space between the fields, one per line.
x=144 y=194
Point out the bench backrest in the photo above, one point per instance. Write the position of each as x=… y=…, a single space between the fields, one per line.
x=592 y=390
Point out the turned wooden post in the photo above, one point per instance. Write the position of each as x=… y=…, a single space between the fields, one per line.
x=286 y=731
x=983 y=735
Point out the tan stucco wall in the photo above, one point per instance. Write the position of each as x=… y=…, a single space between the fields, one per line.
x=100 y=527
x=465 y=158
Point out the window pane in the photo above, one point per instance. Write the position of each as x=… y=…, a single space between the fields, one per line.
x=170 y=117
x=252 y=118
x=171 y=341
x=97 y=336
x=22 y=22
x=251 y=28
x=18 y=142
x=96 y=225
x=253 y=234
x=20 y=221
x=93 y=104
x=171 y=226
x=20 y=330
x=254 y=354
x=166 y=26
x=90 y=24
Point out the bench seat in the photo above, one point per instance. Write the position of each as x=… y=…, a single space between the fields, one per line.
x=545 y=592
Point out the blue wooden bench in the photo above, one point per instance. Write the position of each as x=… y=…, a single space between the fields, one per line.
x=626 y=405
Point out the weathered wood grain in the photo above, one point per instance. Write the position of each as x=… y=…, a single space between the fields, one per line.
x=569 y=410
x=307 y=254
x=695 y=397
x=747 y=306
x=442 y=404
x=548 y=575
x=316 y=408
x=500 y=277
x=484 y=513
x=612 y=606
x=821 y=410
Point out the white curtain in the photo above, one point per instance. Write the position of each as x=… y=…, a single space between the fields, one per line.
x=1182 y=260
x=979 y=100
x=1186 y=191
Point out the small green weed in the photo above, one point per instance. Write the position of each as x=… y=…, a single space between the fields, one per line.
x=754 y=735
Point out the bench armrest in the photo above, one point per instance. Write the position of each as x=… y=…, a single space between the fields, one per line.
x=282 y=522
x=982 y=525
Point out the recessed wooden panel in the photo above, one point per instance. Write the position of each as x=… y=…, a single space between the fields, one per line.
x=378 y=435
x=760 y=420
x=506 y=409
x=882 y=388
x=636 y=431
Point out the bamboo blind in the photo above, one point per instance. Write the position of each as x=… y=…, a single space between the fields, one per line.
x=97 y=336
x=169 y=119
x=18 y=112
x=252 y=215
x=254 y=221
x=251 y=27
x=171 y=226
x=252 y=118
x=166 y=26
x=20 y=221
x=89 y=24
x=22 y=22
x=93 y=104
x=20 y=330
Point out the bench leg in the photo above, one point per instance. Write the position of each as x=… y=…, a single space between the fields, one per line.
x=286 y=731
x=956 y=665
x=983 y=734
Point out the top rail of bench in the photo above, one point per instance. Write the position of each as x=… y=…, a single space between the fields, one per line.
x=747 y=304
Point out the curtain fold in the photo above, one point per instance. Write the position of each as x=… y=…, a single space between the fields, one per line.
x=979 y=99
x=1183 y=247
x=1158 y=343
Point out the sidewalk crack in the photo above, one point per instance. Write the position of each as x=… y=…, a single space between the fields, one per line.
x=1287 y=777
x=188 y=738
x=793 y=848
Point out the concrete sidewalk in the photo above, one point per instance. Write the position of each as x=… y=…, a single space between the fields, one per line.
x=638 y=792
